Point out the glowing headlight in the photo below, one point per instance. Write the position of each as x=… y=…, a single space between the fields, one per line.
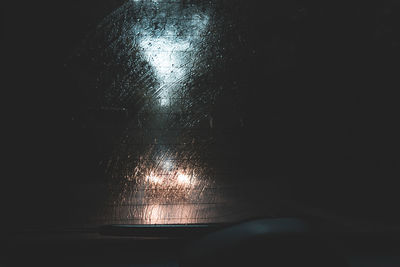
x=183 y=179
x=153 y=179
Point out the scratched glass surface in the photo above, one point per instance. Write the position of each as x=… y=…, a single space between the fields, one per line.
x=153 y=76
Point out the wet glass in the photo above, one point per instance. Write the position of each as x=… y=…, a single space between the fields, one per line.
x=198 y=111
x=161 y=93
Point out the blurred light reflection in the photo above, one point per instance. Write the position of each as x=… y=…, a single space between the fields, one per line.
x=171 y=55
x=162 y=50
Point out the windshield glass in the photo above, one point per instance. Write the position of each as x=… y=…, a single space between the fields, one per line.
x=176 y=112
x=161 y=94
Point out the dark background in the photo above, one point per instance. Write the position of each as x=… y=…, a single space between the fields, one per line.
x=331 y=121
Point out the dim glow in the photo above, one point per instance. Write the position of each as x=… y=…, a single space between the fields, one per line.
x=168 y=165
x=166 y=213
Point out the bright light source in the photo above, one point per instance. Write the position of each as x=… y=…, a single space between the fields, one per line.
x=183 y=179
x=153 y=179
x=165 y=54
x=172 y=56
